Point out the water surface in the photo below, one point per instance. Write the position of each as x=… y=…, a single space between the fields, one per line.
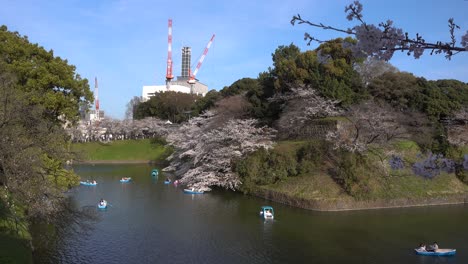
x=150 y=222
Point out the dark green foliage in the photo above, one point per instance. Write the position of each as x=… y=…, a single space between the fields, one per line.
x=349 y=171
x=47 y=79
x=312 y=155
x=438 y=99
x=266 y=167
x=398 y=89
x=158 y=141
x=240 y=86
x=173 y=106
x=328 y=69
x=205 y=103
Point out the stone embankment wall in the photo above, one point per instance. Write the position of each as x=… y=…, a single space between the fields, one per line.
x=317 y=129
x=458 y=134
x=312 y=129
x=351 y=204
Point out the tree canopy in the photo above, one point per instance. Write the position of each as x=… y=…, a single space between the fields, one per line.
x=39 y=92
x=48 y=80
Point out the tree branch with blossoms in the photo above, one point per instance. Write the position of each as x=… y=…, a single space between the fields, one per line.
x=383 y=40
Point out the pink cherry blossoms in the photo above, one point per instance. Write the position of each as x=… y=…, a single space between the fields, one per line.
x=382 y=40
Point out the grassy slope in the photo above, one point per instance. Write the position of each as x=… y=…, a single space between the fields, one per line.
x=317 y=185
x=121 y=150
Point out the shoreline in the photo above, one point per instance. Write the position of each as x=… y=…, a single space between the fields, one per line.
x=354 y=205
x=324 y=205
x=114 y=162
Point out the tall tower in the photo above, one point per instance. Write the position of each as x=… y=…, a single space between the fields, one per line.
x=96 y=100
x=169 y=75
x=186 y=57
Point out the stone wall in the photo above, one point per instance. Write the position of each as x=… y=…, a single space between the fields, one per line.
x=312 y=129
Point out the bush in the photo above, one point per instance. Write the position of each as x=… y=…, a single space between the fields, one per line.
x=350 y=172
x=311 y=155
x=266 y=167
x=158 y=141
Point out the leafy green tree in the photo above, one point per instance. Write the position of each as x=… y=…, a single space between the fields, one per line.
x=240 y=86
x=400 y=89
x=48 y=80
x=32 y=151
x=39 y=92
x=205 y=103
x=172 y=106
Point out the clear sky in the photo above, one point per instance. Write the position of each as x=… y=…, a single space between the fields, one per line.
x=124 y=42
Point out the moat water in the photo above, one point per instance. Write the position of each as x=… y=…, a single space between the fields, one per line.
x=151 y=222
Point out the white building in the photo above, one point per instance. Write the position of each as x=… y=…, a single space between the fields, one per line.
x=180 y=86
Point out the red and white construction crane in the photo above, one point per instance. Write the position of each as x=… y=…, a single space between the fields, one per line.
x=169 y=75
x=192 y=75
x=96 y=100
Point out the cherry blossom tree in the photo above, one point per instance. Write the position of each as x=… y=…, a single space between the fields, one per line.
x=382 y=40
x=302 y=104
x=205 y=153
x=373 y=123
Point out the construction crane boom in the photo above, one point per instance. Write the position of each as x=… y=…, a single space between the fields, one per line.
x=169 y=75
x=192 y=76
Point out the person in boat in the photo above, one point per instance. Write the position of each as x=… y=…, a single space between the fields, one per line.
x=168 y=180
x=94 y=182
x=101 y=202
x=176 y=182
x=268 y=213
x=422 y=247
x=433 y=247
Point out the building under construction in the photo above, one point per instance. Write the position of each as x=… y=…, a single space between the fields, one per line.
x=186 y=82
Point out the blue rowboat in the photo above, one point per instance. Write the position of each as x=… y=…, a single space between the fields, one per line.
x=167 y=181
x=102 y=206
x=88 y=183
x=438 y=252
x=192 y=191
x=267 y=212
x=126 y=179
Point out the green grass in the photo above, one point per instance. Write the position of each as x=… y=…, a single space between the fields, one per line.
x=383 y=183
x=121 y=150
x=310 y=187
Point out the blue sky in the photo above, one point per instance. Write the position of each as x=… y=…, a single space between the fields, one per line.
x=124 y=42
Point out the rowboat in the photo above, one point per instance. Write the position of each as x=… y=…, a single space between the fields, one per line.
x=193 y=191
x=438 y=252
x=88 y=183
x=127 y=179
x=102 y=205
x=154 y=172
x=167 y=181
x=267 y=212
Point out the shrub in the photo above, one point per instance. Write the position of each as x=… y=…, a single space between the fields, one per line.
x=350 y=172
x=158 y=141
x=266 y=167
